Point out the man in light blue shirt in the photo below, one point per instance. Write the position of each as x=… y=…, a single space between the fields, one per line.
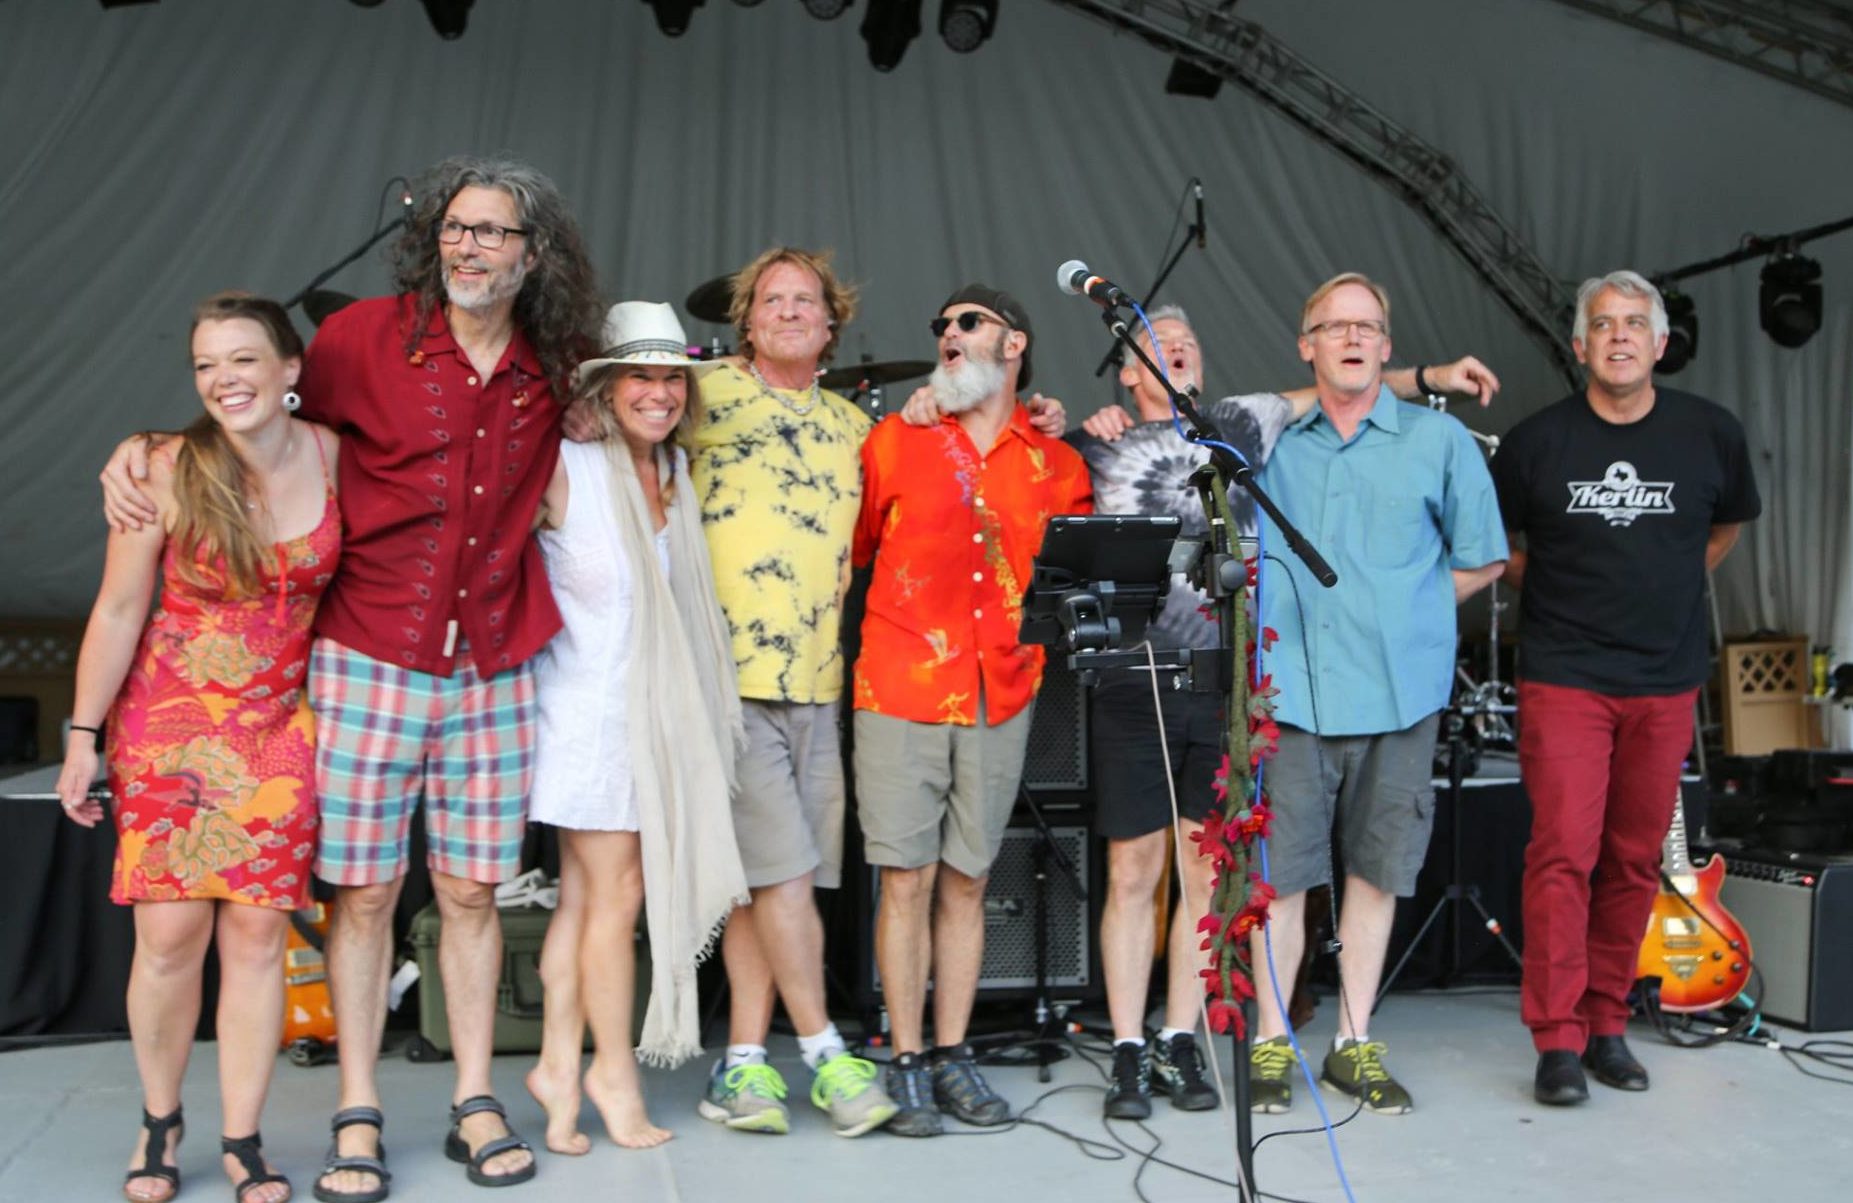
x=1399 y=501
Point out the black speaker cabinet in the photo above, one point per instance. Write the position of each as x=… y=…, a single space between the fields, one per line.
x=1057 y=754
x=1798 y=909
x=1009 y=964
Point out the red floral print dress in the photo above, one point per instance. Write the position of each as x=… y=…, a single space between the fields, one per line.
x=211 y=743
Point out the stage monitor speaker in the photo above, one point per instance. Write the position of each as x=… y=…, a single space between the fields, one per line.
x=1798 y=909
x=1057 y=754
x=1009 y=963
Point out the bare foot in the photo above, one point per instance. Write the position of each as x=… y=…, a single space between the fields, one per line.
x=558 y=1096
x=146 y=1188
x=614 y=1089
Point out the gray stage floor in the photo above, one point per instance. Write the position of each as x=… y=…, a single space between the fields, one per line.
x=1738 y=1120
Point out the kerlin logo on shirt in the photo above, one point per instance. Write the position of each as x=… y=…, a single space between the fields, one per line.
x=1620 y=496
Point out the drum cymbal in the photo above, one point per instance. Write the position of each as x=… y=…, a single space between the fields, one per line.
x=854 y=375
x=320 y=303
x=710 y=301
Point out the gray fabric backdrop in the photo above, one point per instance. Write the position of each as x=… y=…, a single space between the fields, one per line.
x=153 y=154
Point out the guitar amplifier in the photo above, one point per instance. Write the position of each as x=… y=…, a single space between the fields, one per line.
x=1798 y=909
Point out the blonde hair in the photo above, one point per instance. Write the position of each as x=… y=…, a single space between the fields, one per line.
x=1337 y=282
x=211 y=484
x=839 y=295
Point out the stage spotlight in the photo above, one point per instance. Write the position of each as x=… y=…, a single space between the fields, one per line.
x=673 y=16
x=889 y=26
x=1188 y=79
x=1682 y=334
x=1789 y=299
x=965 y=25
x=448 y=17
x=827 y=10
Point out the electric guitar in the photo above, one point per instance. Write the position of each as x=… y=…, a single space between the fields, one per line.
x=1697 y=949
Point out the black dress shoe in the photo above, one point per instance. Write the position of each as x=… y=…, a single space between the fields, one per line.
x=1560 y=1081
x=1609 y=1059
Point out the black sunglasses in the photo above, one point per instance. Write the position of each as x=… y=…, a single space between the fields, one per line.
x=967 y=321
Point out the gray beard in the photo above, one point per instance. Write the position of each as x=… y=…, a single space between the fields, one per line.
x=499 y=290
x=962 y=389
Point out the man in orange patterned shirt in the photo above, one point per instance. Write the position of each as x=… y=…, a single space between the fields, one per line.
x=952 y=515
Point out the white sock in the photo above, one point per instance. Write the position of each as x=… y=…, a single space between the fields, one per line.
x=1339 y=1042
x=814 y=1048
x=744 y=1054
x=1135 y=1041
x=1167 y=1035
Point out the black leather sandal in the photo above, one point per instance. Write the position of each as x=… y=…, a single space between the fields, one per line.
x=458 y=1149
x=336 y=1162
x=155 y=1150
x=249 y=1150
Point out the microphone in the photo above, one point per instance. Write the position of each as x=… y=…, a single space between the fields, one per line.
x=1075 y=277
x=1202 y=242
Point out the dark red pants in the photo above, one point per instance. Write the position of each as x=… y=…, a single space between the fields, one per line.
x=1602 y=773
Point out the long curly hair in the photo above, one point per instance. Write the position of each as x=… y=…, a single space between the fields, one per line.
x=211 y=484
x=840 y=295
x=558 y=306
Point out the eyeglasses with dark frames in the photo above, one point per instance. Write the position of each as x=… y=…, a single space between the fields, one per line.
x=488 y=235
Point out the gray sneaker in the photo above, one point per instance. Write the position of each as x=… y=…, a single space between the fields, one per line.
x=846 y=1088
x=961 y=1091
x=746 y=1098
x=910 y=1086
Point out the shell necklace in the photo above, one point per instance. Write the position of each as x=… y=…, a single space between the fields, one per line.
x=766 y=390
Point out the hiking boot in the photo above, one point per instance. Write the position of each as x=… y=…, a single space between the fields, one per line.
x=1270 y=1076
x=747 y=1098
x=1177 y=1070
x=961 y=1091
x=910 y=1089
x=845 y=1087
x=1357 y=1070
x=1129 y=1094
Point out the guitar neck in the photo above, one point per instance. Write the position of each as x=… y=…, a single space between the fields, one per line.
x=1675 y=856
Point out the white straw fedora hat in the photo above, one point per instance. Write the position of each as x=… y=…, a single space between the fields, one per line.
x=643 y=332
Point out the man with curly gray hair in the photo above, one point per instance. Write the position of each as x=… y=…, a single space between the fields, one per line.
x=448 y=397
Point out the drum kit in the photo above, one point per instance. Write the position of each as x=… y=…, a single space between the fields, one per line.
x=862 y=382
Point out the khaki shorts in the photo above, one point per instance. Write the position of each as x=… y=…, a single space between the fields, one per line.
x=928 y=792
x=788 y=812
x=1379 y=789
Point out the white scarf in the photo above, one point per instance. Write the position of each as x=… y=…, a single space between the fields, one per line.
x=685 y=733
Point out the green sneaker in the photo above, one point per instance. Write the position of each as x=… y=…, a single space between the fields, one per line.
x=846 y=1088
x=1357 y=1070
x=747 y=1098
x=1270 y=1076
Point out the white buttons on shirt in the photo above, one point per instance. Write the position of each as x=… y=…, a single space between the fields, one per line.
x=463 y=593
x=480 y=432
x=979 y=538
x=472 y=540
x=472 y=380
x=977 y=576
x=479 y=489
x=977 y=613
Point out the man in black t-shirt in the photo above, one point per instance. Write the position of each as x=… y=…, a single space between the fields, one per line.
x=1625 y=496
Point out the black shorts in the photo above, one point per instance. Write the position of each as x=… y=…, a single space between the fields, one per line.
x=1129 y=768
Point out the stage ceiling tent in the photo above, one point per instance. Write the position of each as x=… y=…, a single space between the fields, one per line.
x=153 y=153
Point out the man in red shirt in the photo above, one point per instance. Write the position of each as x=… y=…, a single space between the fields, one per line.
x=952 y=516
x=445 y=399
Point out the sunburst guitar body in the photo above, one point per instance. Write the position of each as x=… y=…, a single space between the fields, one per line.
x=1696 y=947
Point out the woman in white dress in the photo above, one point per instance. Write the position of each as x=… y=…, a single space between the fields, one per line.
x=639 y=723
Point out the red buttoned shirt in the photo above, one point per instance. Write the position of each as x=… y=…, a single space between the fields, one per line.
x=441 y=476
x=952 y=534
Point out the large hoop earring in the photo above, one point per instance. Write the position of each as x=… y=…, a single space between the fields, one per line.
x=292 y=401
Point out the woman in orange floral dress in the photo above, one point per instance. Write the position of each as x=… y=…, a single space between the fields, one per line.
x=211 y=746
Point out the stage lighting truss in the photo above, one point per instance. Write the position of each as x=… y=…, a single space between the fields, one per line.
x=827 y=10
x=1789 y=298
x=965 y=25
x=888 y=28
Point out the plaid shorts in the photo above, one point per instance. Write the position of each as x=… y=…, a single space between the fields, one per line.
x=386 y=735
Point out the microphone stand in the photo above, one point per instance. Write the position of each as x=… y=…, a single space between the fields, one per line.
x=1192 y=233
x=1223 y=576
x=356 y=253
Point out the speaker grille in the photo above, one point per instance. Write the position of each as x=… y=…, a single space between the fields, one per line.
x=1010 y=913
x=1057 y=754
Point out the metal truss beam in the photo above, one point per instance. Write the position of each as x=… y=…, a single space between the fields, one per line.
x=1807 y=43
x=1206 y=34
